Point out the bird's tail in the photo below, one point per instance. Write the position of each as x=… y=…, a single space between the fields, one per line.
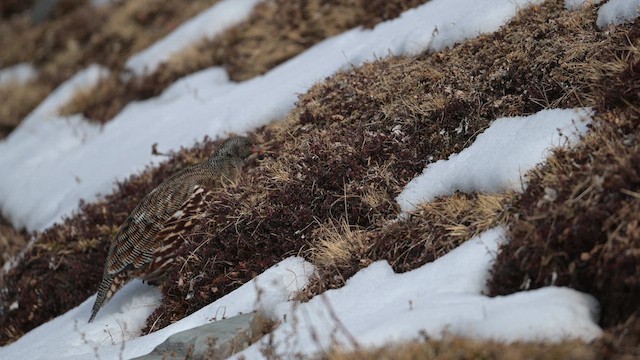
x=109 y=285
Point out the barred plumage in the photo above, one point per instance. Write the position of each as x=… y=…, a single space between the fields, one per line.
x=149 y=237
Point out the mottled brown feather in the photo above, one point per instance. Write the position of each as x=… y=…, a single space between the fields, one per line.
x=153 y=231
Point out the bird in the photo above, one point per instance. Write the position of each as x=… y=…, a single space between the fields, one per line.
x=146 y=242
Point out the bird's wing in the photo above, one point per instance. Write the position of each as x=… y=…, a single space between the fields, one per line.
x=145 y=235
x=128 y=249
x=171 y=236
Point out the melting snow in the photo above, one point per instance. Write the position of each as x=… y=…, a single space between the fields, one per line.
x=207 y=24
x=20 y=73
x=499 y=158
x=616 y=12
x=116 y=329
x=377 y=306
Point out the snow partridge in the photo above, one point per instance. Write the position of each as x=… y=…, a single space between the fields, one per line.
x=148 y=239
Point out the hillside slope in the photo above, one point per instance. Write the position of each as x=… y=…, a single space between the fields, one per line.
x=326 y=185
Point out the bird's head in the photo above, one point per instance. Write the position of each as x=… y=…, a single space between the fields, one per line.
x=235 y=149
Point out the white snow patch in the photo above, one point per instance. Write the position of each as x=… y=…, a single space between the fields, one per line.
x=458 y=20
x=83 y=80
x=39 y=142
x=378 y=306
x=70 y=336
x=207 y=24
x=19 y=73
x=616 y=12
x=499 y=157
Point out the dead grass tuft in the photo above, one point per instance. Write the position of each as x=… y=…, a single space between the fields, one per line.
x=17 y=102
x=428 y=233
x=437 y=227
x=455 y=348
x=339 y=244
x=11 y=242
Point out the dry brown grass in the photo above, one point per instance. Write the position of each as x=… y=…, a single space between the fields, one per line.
x=9 y=31
x=338 y=244
x=17 y=102
x=107 y=35
x=463 y=216
x=456 y=348
x=278 y=30
x=11 y=242
x=618 y=343
x=431 y=231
